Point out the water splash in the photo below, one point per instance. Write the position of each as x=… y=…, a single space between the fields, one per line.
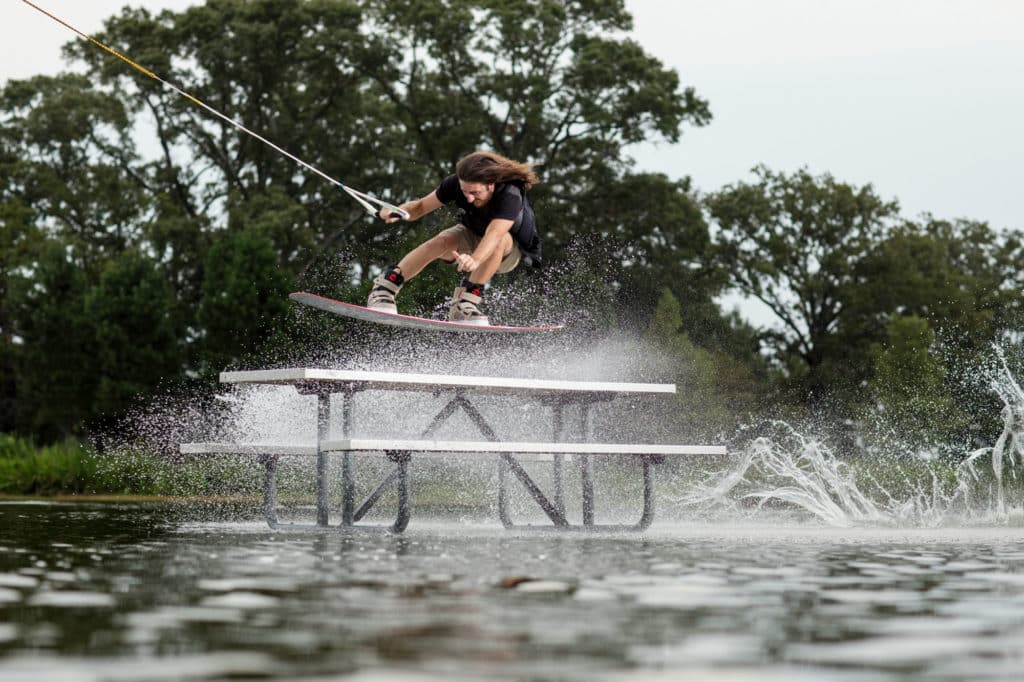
x=1009 y=446
x=795 y=469
x=784 y=466
x=776 y=468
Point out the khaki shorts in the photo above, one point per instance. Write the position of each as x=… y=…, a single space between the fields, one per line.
x=469 y=241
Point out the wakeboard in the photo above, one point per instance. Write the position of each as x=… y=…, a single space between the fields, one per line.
x=359 y=312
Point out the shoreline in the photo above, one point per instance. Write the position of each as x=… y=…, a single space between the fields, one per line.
x=115 y=498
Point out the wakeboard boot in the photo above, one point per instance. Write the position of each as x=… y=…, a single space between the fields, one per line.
x=385 y=287
x=465 y=305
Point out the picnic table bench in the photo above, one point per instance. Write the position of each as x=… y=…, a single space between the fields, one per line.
x=337 y=389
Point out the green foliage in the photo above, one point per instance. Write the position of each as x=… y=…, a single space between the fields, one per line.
x=144 y=238
x=68 y=467
x=715 y=392
x=959 y=278
x=72 y=162
x=54 y=385
x=19 y=238
x=137 y=331
x=27 y=470
x=858 y=297
x=244 y=296
x=89 y=351
x=794 y=242
x=909 y=385
x=957 y=275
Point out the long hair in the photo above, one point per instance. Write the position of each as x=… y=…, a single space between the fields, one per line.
x=488 y=167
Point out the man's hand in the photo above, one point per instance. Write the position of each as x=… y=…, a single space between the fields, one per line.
x=387 y=215
x=464 y=262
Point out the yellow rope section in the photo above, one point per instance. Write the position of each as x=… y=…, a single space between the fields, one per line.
x=361 y=197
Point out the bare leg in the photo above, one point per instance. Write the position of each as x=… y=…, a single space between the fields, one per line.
x=468 y=294
x=486 y=269
x=427 y=252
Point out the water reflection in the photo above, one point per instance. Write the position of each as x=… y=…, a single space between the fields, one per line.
x=136 y=592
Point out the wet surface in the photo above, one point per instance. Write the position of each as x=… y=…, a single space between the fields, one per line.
x=138 y=592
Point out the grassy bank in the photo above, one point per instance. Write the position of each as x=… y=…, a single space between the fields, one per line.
x=71 y=468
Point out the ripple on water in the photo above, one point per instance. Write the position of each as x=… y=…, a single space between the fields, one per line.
x=221 y=665
x=9 y=596
x=700 y=649
x=1009 y=579
x=72 y=599
x=926 y=626
x=677 y=592
x=170 y=617
x=594 y=594
x=241 y=600
x=259 y=584
x=884 y=651
x=886 y=597
x=543 y=586
x=17 y=580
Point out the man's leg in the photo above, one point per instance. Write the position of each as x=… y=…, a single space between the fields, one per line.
x=423 y=255
x=387 y=285
x=465 y=306
x=487 y=269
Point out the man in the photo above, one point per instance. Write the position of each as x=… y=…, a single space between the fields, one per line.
x=496 y=233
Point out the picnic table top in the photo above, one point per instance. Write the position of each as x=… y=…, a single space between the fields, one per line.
x=372 y=380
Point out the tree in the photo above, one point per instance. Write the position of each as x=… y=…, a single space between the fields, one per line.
x=660 y=242
x=138 y=335
x=69 y=158
x=909 y=386
x=88 y=352
x=56 y=378
x=960 y=278
x=794 y=242
x=716 y=393
x=120 y=179
x=244 y=293
x=552 y=82
x=956 y=275
x=284 y=68
x=18 y=242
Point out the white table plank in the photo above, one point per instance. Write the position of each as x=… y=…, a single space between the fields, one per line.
x=433 y=446
x=212 y=448
x=366 y=444
x=427 y=382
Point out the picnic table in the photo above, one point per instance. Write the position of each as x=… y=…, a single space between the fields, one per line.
x=337 y=390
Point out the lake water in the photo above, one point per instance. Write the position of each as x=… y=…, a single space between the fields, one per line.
x=159 y=592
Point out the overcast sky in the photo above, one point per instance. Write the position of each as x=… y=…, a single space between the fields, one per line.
x=924 y=99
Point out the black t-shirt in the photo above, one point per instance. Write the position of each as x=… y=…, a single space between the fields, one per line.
x=508 y=203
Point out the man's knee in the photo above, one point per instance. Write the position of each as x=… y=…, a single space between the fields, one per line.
x=442 y=243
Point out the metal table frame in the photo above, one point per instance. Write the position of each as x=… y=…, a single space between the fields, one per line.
x=328 y=384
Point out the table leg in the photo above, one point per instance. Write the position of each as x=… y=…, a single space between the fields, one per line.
x=585 y=474
x=323 y=415
x=347 y=473
x=270 y=489
x=558 y=497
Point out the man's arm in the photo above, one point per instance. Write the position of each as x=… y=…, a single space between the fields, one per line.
x=497 y=229
x=416 y=209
